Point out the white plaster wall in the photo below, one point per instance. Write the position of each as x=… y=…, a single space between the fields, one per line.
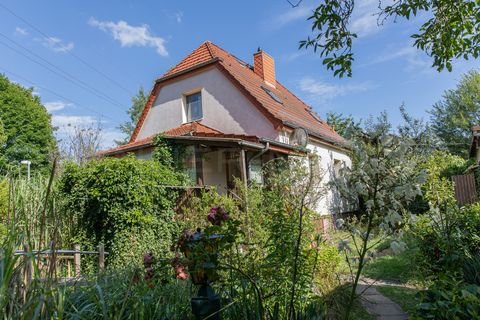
x=214 y=171
x=225 y=108
x=329 y=204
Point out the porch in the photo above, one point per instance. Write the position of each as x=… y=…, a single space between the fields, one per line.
x=219 y=161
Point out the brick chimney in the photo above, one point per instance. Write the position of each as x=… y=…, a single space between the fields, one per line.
x=264 y=66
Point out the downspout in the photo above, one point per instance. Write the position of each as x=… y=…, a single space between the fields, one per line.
x=261 y=153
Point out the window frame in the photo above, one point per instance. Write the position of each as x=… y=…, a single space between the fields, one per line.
x=187 y=117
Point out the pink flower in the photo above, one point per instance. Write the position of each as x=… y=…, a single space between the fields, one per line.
x=217 y=215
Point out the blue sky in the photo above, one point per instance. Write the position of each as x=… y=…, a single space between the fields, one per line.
x=98 y=53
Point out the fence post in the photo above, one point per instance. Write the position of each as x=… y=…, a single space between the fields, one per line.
x=27 y=271
x=76 y=260
x=101 y=257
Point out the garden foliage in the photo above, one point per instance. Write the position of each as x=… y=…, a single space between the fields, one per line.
x=448 y=244
x=124 y=203
x=383 y=180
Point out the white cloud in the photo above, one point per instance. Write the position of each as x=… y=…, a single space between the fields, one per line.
x=295 y=55
x=415 y=60
x=56 y=105
x=66 y=127
x=130 y=35
x=65 y=122
x=407 y=51
x=21 y=32
x=365 y=25
x=322 y=91
x=293 y=14
x=57 y=44
x=109 y=137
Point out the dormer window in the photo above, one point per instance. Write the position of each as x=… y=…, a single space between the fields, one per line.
x=193 y=107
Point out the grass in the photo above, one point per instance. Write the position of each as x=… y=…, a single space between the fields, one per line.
x=396 y=268
x=404 y=297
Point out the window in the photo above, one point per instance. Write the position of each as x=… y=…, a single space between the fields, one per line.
x=194 y=107
x=255 y=171
x=284 y=137
x=337 y=167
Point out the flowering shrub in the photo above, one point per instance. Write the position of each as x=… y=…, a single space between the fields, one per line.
x=217 y=215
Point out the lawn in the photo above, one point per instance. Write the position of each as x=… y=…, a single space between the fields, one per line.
x=396 y=268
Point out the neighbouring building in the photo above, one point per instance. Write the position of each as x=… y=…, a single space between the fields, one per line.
x=233 y=117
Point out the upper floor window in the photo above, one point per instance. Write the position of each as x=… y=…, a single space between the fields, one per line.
x=284 y=137
x=194 y=107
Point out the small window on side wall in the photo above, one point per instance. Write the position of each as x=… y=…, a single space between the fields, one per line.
x=194 y=107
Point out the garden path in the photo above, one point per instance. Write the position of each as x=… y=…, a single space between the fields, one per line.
x=378 y=305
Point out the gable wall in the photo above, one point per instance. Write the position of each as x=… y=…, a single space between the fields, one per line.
x=225 y=108
x=330 y=203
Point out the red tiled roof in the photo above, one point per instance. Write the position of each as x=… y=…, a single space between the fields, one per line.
x=187 y=129
x=129 y=146
x=293 y=112
x=191 y=128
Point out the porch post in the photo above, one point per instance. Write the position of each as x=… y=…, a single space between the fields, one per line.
x=243 y=167
x=199 y=166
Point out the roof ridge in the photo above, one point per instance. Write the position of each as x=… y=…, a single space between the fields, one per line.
x=188 y=55
x=208 y=43
x=204 y=125
x=228 y=53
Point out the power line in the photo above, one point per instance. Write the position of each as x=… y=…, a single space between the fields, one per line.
x=55 y=93
x=70 y=53
x=58 y=71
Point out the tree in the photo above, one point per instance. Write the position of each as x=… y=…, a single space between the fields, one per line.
x=453 y=117
x=138 y=102
x=451 y=30
x=82 y=143
x=26 y=125
x=420 y=133
x=341 y=123
x=384 y=177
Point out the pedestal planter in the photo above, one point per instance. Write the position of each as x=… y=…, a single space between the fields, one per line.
x=206 y=303
x=203 y=252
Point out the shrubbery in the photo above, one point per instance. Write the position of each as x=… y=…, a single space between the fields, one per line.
x=448 y=242
x=124 y=203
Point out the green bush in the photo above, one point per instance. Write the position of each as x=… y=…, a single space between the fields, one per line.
x=445 y=245
x=124 y=203
x=327 y=263
x=450 y=299
x=440 y=166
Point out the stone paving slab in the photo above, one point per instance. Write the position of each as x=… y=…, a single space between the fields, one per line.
x=378 y=305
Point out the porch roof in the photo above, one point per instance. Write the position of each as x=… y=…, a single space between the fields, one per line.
x=197 y=133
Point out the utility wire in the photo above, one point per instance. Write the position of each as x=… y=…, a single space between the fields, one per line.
x=70 y=53
x=58 y=71
x=55 y=93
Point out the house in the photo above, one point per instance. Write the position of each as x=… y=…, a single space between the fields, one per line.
x=233 y=117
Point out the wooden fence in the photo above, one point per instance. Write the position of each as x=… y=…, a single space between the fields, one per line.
x=53 y=257
x=465 y=189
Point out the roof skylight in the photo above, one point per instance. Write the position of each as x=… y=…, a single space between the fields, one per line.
x=272 y=95
x=315 y=116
